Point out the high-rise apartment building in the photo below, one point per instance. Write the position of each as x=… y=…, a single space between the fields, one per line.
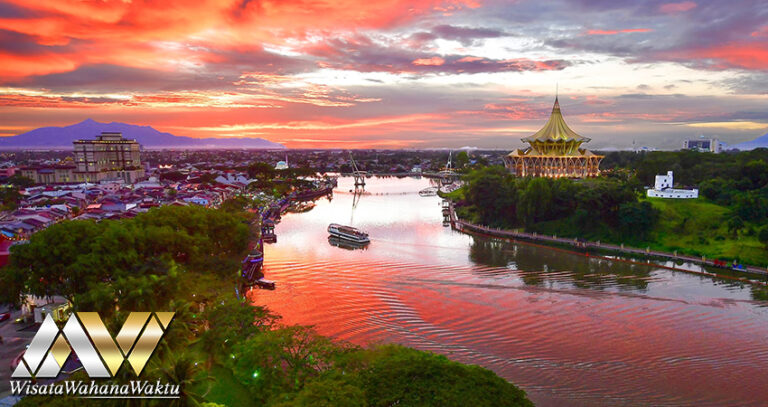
x=108 y=157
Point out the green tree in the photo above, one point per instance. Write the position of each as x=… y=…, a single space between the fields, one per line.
x=492 y=192
x=9 y=198
x=535 y=201
x=735 y=224
x=756 y=171
x=462 y=159
x=19 y=181
x=637 y=219
x=230 y=321
x=282 y=360
x=395 y=375
x=184 y=371
x=261 y=170
x=326 y=392
x=763 y=236
x=235 y=205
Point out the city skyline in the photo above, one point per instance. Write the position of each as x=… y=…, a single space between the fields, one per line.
x=391 y=74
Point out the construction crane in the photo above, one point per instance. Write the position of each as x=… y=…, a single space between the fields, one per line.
x=356 y=173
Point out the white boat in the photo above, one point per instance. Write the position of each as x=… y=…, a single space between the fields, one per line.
x=431 y=191
x=348 y=233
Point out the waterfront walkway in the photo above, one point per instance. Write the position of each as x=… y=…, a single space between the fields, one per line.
x=468 y=227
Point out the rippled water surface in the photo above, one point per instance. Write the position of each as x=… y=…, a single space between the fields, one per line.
x=568 y=329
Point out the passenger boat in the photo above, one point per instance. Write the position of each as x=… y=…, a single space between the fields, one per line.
x=348 y=233
x=252 y=265
x=268 y=231
x=268 y=284
x=431 y=191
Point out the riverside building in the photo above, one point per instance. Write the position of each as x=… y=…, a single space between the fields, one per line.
x=663 y=188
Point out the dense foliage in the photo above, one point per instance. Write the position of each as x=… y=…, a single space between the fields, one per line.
x=604 y=205
x=728 y=221
x=221 y=349
x=735 y=180
x=127 y=263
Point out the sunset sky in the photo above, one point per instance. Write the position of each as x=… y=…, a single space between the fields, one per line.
x=390 y=73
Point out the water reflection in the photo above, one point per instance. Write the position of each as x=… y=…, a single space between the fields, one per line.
x=569 y=329
x=538 y=264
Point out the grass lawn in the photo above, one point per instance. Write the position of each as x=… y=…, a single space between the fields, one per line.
x=695 y=226
x=457 y=195
x=689 y=226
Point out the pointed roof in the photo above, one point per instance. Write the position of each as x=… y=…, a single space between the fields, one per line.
x=555 y=129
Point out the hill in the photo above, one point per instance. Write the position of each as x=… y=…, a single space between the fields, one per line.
x=760 y=142
x=148 y=137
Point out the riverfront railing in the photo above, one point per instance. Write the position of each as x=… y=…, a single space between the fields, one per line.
x=464 y=226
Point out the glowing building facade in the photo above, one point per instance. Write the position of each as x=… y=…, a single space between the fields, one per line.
x=555 y=151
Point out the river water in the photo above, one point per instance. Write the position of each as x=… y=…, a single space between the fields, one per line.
x=568 y=329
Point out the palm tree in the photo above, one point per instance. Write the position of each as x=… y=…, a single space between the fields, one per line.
x=181 y=370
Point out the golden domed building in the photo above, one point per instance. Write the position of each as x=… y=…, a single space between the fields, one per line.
x=554 y=152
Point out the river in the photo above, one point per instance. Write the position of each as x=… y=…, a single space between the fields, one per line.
x=568 y=329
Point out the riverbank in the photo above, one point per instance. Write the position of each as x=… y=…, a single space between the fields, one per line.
x=555 y=322
x=584 y=246
x=615 y=210
x=183 y=258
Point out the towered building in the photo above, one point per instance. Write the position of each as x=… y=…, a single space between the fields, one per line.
x=110 y=156
x=554 y=152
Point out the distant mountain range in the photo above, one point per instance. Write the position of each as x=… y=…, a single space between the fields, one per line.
x=760 y=142
x=62 y=137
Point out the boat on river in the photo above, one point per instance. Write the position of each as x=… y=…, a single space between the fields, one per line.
x=266 y=284
x=348 y=233
x=252 y=264
x=268 y=231
x=431 y=191
x=347 y=244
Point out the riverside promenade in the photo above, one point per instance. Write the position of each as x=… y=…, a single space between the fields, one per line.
x=582 y=245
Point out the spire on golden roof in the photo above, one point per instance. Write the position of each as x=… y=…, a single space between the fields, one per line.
x=556 y=129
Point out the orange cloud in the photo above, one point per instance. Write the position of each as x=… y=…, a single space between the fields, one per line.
x=15 y=66
x=434 y=61
x=169 y=34
x=748 y=56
